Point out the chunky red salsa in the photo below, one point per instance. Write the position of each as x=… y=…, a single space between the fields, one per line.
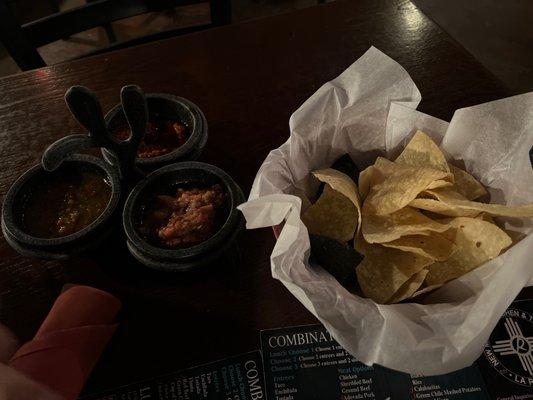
x=185 y=219
x=65 y=203
x=162 y=136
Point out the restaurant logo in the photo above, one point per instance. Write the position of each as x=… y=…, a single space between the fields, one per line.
x=510 y=347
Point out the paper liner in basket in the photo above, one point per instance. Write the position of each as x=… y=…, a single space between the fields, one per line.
x=369 y=110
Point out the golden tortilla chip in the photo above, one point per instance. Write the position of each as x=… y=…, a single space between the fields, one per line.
x=333 y=215
x=440 y=184
x=400 y=186
x=382 y=169
x=374 y=174
x=456 y=202
x=365 y=177
x=444 y=193
x=383 y=271
x=343 y=184
x=406 y=221
x=430 y=200
x=434 y=246
x=477 y=242
x=438 y=207
x=426 y=289
x=361 y=245
x=408 y=289
x=466 y=184
x=421 y=151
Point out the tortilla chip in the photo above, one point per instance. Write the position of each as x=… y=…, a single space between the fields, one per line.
x=333 y=215
x=434 y=246
x=421 y=151
x=466 y=184
x=383 y=271
x=364 y=181
x=441 y=208
x=477 y=242
x=409 y=287
x=400 y=185
x=361 y=245
x=440 y=184
x=426 y=289
x=381 y=169
x=444 y=193
x=407 y=221
x=458 y=203
x=430 y=200
x=343 y=184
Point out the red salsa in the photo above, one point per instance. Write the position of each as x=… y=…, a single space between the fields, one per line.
x=65 y=203
x=184 y=219
x=162 y=136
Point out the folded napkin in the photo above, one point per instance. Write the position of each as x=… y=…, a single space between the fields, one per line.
x=70 y=340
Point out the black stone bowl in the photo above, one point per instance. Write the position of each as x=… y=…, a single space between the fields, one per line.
x=63 y=247
x=168 y=107
x=190 y=174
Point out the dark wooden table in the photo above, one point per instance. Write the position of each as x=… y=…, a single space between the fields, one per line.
x=248 y=79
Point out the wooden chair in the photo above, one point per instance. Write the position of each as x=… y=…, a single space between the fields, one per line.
x=22 y=41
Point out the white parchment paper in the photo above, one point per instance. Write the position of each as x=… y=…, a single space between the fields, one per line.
x=370 y=110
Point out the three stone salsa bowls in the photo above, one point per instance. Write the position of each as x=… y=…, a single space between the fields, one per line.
x=179 y=217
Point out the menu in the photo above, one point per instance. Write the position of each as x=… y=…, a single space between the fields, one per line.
x=306 y=363
x=236 y=378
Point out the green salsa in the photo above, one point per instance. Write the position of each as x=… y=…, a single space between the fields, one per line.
x=65 y=202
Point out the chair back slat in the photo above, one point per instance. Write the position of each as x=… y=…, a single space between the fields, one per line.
x=64 y=24
x=22 y=41
x=16 y=43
